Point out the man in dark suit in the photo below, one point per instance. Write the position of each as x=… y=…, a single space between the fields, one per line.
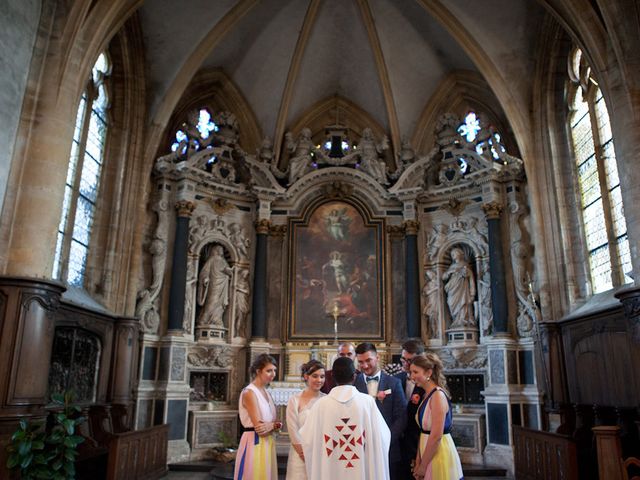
x=390 y=400
x=411 y=436
x=345 y=349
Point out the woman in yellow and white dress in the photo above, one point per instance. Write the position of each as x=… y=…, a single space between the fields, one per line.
x=256 y=458
x=437 y=457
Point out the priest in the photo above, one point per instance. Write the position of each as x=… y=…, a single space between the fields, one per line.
x=345 y=436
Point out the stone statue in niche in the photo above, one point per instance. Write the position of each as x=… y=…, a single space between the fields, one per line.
x=460 y=288
x=301 y=161
x=369 y=156
x=430 y=293
x=242 y=303
x=213 y=288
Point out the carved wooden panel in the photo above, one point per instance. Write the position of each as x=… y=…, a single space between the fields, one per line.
x=138 y=455
x=542 y=455
x=74 y=363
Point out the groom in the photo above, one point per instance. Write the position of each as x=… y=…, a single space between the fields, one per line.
x=390 y=400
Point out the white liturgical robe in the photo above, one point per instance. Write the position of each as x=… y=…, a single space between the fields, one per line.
x=345 y=437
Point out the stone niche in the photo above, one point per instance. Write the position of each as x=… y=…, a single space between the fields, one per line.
x=208 y=386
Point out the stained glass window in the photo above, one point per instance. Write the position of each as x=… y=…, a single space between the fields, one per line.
x=83 y=178
x=205 y=126
x=470 y=128
x=603 y=218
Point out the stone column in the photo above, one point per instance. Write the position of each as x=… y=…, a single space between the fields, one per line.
x=493 y=211
x=412 y=279
x=259 y=305
x=184 y=210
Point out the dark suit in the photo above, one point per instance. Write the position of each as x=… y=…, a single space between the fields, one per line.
x=411 y=437
x=393 y=409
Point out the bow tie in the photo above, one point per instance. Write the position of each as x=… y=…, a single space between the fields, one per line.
x=372 y=379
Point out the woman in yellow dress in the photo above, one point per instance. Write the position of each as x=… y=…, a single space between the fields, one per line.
x=437 y=457
x=256 y=458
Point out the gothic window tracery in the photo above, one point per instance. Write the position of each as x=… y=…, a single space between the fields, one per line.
x=602 y=211
x=83 y=177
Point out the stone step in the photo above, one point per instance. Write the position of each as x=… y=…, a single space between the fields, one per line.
x=224 y=471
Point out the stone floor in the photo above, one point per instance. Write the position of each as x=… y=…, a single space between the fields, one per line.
x=207 y=470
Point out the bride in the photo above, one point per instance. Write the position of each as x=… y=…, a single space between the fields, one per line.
x=297 y=410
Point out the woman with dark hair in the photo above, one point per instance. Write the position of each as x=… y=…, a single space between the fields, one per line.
x=256 y=458
x=313 y=373
x=437 y=457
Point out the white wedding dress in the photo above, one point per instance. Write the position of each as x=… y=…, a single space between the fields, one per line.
x=295 y=419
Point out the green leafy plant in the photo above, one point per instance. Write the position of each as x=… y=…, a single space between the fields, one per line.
x=40 y=450
x=228 y=442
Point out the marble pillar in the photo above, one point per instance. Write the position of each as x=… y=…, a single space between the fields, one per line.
x=412 y=277
x=493 y=211
x=259 y=305
x=184 y=210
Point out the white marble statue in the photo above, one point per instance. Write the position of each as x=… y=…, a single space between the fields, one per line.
x=369 y=156
x=242 y=303
x=213 y=288
x=430 y=293
x=460 y=287
x=300 y=162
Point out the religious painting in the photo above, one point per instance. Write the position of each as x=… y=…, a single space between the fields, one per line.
x=336 y=268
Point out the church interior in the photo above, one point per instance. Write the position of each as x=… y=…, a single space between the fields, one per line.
x=187 y=185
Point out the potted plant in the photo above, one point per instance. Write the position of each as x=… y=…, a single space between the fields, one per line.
x=226 y=452
x=47 y=450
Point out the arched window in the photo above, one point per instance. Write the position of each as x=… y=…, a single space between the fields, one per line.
x=605 y=228
x=83 y=177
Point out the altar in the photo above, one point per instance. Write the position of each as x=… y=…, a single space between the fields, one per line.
x=349 y=241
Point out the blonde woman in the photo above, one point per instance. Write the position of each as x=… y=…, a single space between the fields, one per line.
x=437 y=457
x=256 y=458
x=299 y=405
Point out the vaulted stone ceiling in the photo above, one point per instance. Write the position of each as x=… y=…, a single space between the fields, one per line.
x=386 y=56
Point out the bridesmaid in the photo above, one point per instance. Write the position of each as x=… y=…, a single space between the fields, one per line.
x=437 y=457
x=256 y=458
x=313 y=374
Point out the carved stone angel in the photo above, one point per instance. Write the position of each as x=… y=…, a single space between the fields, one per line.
x=369 y=156
x=300 y=162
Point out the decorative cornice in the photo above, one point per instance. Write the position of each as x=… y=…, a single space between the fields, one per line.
x=411 y=227
x=492 y=210
x=185 y=208
x=263 y=226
